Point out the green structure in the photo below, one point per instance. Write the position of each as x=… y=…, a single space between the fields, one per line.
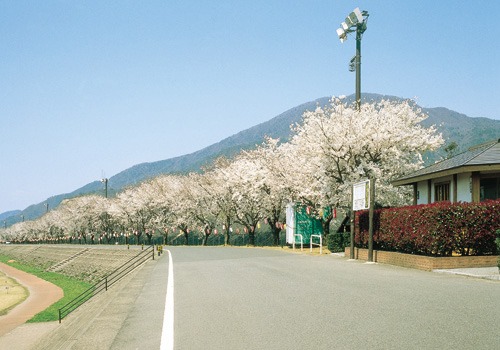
x=299 y=223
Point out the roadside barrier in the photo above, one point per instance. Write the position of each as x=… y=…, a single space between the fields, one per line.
x=301 y=241
x=320 y=243
x=109 y=280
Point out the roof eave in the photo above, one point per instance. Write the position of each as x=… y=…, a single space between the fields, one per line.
x=447 y=172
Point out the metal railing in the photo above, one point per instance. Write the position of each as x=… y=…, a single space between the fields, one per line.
x=301 y=241
x=107 y=281
x=320 y=243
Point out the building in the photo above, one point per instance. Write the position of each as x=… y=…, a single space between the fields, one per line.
x=471 y=176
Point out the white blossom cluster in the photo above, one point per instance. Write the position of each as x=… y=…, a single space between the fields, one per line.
x=333 y=147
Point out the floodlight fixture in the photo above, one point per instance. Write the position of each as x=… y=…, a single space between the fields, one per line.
x=354 y=17
x=355 y=22
x=341 y=33
x=105 y=182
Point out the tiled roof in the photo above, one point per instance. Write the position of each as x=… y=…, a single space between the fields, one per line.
x=484 y=154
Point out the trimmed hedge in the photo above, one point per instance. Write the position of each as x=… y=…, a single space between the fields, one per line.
x=498 y=248
x=438 y=229
x=337 y=242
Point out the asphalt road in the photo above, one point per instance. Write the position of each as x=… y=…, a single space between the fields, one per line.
x=237 y=298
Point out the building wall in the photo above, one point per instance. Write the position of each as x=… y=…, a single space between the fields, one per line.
x=464 y=188
x=422 y=192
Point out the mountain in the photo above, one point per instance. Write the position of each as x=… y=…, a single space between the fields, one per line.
x=455 y=127
x=7 y=214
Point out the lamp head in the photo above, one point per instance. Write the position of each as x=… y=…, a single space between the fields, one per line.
x=354 y=17
x=342 y=34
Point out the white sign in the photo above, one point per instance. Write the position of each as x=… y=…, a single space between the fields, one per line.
x=361 y=195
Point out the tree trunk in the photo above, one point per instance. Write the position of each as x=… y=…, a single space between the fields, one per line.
x=205 y=238
x=251 y=236
x=325 y=222
x=227 y=233
x=276 y=236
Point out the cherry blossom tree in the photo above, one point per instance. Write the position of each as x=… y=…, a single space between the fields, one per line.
x=334 y=147
x=271 y=182
x=216 y=183
x=337 y=145
x=199 y=204
x=245 y=178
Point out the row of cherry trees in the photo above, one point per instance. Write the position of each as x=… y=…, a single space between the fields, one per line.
x=332 y=148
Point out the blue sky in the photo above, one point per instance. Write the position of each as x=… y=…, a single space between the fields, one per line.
x=94 y=87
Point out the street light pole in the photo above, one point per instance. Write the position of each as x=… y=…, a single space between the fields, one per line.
x=358 y=68
x=105 y=182
x=355 y=22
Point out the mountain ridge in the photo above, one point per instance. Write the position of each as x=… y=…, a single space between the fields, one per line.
x=455 y=127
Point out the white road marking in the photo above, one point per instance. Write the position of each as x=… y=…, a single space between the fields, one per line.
x=167 y=334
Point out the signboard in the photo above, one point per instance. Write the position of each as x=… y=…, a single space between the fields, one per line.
x=361 y=195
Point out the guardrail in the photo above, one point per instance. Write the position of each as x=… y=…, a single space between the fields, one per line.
x=301 y=241
x=107 y=281
x=320 y=243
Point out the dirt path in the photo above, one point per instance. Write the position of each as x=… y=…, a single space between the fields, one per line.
x=42 y=295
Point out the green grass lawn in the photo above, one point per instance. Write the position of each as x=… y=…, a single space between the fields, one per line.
x=70 y=286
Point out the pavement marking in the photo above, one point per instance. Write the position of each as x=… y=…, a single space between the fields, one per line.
x=167 y=334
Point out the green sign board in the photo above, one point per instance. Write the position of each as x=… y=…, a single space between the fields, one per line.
x=299 y=222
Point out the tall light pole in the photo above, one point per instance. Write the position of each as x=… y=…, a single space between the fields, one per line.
x=355 y=22
x=105 y=182
x=46 y=207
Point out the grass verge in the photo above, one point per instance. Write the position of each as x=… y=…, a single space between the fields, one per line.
x=70 y=286
x=11 y=294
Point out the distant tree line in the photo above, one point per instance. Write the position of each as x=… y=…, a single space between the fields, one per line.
x=332 y=148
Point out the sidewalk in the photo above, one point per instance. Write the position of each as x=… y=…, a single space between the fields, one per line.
x=490 y=273
x=128 y=315
x=96 y=324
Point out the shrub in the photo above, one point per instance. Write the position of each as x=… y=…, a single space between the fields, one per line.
x=437 y=229
x=337 y=242
x=498 y=248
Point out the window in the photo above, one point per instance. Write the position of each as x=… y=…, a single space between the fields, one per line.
x=490 y=188
x=442 y=192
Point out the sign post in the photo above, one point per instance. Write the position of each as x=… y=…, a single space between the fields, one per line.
x=370 y=220
x=363 y=197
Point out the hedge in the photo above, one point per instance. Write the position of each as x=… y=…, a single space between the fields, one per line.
x=438 y=229
x=337 y=242
x=498 y=248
